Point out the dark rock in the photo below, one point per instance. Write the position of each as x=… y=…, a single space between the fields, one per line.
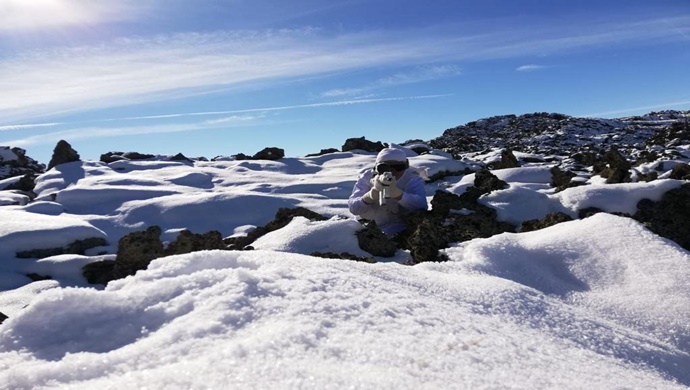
x=549 y=220
x=563 y=179
x=136 y=250
x=453 y=218
x=180 y=157
x=241 y=156
x=371 y=239
x=36 y=277
x=486 y=182
x=670 y=217
x=3 y=318
x=322 y=152
x=187 y=242
x=362 y=144
x=137 y=156
x=508 y=160
x=20 y=165
x=99 y=272
x=77 y=247
x=282 y=218
x=588 y=212
x=26 y=184
x=62 y=154
x=617 y=169
x=344 y=256
x=680 y=172
x=111 y=157
x=269 y=154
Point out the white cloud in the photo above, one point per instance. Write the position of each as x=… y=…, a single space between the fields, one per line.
x=416 y=75
x=139 y=70
x=529 y=68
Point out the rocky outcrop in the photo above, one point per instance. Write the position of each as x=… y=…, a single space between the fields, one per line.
x=15 y=162
x=78 y=247
x=549 y=220
x=282 y=218
x=615 y=167
x=187 y=242
x=362 y=144
x=269 y=154
x=136 y=250
x=669 y=217
x=454 y=218
x=322 y=152
x=62 y=154
x=371 y=239
x=680 y=172
x=343 y=256
x=508 y=160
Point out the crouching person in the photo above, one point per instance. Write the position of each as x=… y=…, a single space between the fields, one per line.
x=389 y=191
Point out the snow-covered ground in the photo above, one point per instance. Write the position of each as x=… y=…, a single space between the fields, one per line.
x=594 y=303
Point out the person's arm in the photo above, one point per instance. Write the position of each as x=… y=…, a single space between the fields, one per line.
x=414 y=195
x=356 y=205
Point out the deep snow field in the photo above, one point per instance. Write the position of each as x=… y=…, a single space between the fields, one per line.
x=597 y=303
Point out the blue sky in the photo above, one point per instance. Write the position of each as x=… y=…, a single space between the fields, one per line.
x=209 y=78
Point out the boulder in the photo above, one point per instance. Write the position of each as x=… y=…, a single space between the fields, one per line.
x=269 y=154
x=549 y=220
x=99 y=272
x=508 y=160
x=187 y=242
x=616 y=168
x=371 y=239
x=78 y=247
x=322 y=152
x=62 y=154
x=680 y=172
x=15 y=162
x=362 y=144
x=344 y=256
x=2 y=318
x=669 y=217
x=136 y=250
x=282 y=218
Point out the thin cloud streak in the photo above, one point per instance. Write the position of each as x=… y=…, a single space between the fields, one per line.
x=28 y=126
x=232 y=121
x=529 y=68
x=640 y=109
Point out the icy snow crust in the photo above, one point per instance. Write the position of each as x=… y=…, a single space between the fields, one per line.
x=594 y=303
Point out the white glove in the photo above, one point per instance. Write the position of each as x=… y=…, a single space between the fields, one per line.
x=372 y=196
x=386 y=183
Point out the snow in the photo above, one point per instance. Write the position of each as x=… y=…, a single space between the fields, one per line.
x=594 y=303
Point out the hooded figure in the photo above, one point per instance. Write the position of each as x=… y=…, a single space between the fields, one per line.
x=384 y=194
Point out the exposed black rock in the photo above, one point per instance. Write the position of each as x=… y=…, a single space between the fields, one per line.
x=669 y=217
x=547 y=221
x=561 y=179
x=62 y=154
x=19 y=165
x=344 y=256
x=322 y=152
x=371 y=239
x=2 y=318
x=99 y=272
x=136 y=250
x=454 y=218
x=362 y=144
x=508 y=160
x=187 y=242
x=26 y=184
x=680 y=172
x=617 y=168
x=78 y=247
x=269 y=154
x=36 y=277
x=180 y=157
x=282 y=218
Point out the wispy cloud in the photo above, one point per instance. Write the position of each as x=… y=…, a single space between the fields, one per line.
x=417 y=75
x=529 y=68
x=89 y=132
x=140 y=70
x=28 y=126
x=641 y=109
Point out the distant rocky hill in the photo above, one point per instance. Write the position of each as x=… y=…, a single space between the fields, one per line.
x=563 y=135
